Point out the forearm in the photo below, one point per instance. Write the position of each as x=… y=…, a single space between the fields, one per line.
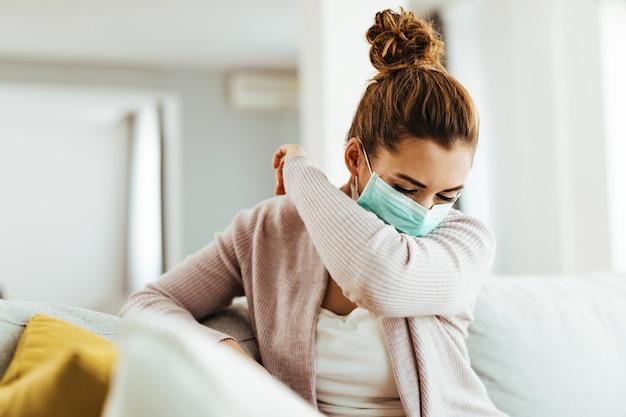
x=151 y=304
x=234 y=346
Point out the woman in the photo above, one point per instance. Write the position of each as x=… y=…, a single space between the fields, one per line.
x=360 y=297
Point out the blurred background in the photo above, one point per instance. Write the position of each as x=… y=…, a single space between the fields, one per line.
x=132 y=131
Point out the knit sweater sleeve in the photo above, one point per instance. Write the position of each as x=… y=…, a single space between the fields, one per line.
x=390 y=273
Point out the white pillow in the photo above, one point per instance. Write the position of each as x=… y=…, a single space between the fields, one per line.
x=547 y=345
x=167 y=370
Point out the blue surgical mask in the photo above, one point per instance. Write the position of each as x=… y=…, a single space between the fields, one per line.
x=396 y=209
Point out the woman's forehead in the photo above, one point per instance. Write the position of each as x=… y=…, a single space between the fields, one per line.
x=427 y=162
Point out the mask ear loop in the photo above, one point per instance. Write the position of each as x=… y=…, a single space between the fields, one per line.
x=355 y=187
x=367 y=160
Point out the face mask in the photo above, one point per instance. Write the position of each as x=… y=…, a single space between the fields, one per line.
x=396 y=209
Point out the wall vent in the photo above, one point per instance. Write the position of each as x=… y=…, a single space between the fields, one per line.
x=262 y=90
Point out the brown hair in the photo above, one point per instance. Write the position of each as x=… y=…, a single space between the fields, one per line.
x=412 y=94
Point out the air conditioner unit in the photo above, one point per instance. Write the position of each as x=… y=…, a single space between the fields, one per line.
x=262 y=90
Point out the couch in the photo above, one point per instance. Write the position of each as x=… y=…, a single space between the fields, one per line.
x=544 y=345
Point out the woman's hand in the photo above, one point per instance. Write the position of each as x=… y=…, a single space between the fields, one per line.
x=283 y=153
x=234 y=347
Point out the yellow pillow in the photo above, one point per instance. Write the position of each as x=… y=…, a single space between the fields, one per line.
x=57 y=369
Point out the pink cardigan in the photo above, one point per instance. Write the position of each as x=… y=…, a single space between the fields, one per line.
x=279 y=255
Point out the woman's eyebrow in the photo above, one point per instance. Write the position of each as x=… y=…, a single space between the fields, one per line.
x=457 y=188
x=419 y=184
x=411 y=180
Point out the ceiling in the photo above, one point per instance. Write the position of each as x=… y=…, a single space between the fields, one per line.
x=151 y=33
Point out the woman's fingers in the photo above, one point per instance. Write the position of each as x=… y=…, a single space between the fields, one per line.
x=287 y=151
x=282 y=153
x=280 y=187
x=278 y=157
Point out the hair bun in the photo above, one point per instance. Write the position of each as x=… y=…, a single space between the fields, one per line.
x=401 y=40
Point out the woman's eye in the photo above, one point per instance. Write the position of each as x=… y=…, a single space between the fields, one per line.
x=404 y=190
x=445 y=199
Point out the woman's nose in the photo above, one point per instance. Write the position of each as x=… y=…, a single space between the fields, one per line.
x=426 y=201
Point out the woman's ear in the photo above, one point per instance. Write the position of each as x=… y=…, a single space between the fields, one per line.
x=352 y=155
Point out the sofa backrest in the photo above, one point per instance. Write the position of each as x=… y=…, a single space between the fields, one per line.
x=548 y=345
x=544 y=345
x=14 y=315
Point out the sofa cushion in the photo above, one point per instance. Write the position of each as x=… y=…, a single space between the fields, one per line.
x=14 y=315
x=552 y=345
x=58 y=369
x=192 y=375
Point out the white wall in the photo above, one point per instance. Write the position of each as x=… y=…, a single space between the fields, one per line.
x=227 y=155
x=63 y=210
x=534 y=69
x=223 y=157
x=222 y=151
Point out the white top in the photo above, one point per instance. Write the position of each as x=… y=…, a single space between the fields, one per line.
x=354 y=375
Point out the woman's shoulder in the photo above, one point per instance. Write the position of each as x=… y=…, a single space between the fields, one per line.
x=271 y=225
x=277 y=206
x=274 y=212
